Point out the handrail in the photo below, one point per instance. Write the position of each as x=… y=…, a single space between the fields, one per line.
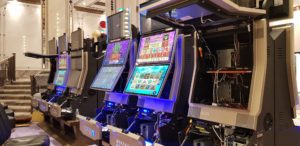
x=8 y=69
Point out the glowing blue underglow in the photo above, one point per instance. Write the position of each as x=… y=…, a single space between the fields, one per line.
x=148 y=143
x=145 y=111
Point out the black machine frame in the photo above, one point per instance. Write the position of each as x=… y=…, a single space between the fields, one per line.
x=170 y=62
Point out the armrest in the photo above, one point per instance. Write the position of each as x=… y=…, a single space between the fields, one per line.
x=36 y=55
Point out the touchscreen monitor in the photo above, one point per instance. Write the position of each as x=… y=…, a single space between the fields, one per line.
x=107 y=77
x=116 y=53
x=156 y=48
x=60 y=78
x=62 y=62
x=147 y=80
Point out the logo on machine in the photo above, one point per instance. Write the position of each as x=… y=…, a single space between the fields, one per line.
x=121 y=143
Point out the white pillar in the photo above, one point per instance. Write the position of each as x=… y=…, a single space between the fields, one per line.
x=57 y=17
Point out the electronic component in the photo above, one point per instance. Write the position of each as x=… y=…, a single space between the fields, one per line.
x=225 y=58
x=224 y=92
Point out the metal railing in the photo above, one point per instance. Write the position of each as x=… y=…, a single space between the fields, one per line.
x=8 y=69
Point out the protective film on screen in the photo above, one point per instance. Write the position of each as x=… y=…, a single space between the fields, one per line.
x=107 y=77
x=156 y=48
x=147 y=80
x=116 y=53
x=60 y=78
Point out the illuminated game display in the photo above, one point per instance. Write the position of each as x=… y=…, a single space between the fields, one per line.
x=116 y=53
x=147 y=80
x=62 y=63
x=156 y=48
x=60 y=77
x=106 y=77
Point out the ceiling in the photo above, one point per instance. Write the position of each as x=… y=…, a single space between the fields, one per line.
x=296 y=2
x=91 y=6
x=2 y=3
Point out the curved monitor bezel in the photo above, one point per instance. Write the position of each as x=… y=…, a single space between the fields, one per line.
x=112 y=65
x=171 y=56
x=127 y=52
x=115 y=81
x=162 y=85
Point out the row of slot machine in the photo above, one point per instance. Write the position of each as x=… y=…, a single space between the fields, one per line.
x=177 y=86
x=144 y=101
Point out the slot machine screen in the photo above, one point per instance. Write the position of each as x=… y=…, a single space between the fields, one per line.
x=116 y=53
x=147 y=80
x=107 y=77
x=62 y=63
x=156 y=48
x=60 y=78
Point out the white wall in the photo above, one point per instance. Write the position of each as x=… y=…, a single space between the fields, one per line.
x=88 y=22
x=297 y=30
x=57 y=14
x=23 y=33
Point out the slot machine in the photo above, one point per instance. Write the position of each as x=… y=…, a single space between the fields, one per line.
x=119 y=108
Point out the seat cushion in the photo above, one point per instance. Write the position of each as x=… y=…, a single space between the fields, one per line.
x=38 y=140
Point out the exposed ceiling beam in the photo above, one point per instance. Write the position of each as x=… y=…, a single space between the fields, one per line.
x=84 y=9
x=36 y=2
x=100 y=3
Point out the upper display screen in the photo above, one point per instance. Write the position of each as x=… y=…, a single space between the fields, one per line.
x=147 y=80
x=63 y=43
x=156 y=48
x=62 y=63
x=107 y=77
x=116 y=53
x=60 y=78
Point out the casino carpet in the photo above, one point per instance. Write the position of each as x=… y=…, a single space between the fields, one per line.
x=33 y=129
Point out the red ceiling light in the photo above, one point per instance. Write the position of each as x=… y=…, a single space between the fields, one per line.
x=102 y=24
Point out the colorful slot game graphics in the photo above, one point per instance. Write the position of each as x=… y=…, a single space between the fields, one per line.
x=156 y=48
x=60 y=78
x=63 y=62
x=147 y=80
x=116 y=53
x=106 y=77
